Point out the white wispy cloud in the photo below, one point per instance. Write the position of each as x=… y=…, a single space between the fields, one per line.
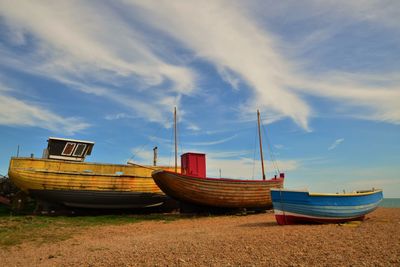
x=228 y=77
x=360 y=96
x=336 y=143
x=229 y=154
x=214 y=142
x=131 y=57
x=117 y=116
x=15 y=112
x=72 y=42
x=193 y=127
x=231 y=38
x=157 y=109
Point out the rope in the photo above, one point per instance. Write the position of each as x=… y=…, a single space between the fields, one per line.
x=172 y=141
x=141 y=148
x=172 y=152
x=272 y=154
x=254 y=151
x=180 y=144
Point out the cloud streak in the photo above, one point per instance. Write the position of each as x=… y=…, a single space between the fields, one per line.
x=19 y=113
x=211 y=143
x=336 y=143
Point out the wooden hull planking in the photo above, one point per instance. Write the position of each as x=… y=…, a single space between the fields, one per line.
x=90 y=185
x=213 y=192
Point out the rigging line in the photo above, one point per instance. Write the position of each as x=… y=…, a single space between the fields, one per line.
x=175 y=141
x=172 y=153
x=178 y=140
x=178 y=137
x=272 y=154
x=180 y=143
x=141 y=148
x=254 y=151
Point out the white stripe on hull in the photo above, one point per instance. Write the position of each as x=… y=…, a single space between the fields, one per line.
x=286 y=213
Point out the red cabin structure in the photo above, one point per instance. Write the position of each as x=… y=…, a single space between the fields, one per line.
x=193 y=164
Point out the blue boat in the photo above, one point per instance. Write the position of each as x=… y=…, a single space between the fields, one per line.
x=292 y=207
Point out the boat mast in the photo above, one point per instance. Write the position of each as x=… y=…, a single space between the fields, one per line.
x=176 y=145
x=261 y=151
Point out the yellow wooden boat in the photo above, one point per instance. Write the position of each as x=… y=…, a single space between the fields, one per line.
x=74 y=183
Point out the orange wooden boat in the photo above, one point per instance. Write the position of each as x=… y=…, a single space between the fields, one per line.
x=217 y=192
x=193 y=187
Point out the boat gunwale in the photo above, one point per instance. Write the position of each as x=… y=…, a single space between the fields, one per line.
x=314 y=194
x=214 y=179
x=130 y=164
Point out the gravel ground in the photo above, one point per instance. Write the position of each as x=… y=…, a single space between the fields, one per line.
x=252 y=240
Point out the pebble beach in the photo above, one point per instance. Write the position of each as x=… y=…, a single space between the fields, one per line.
x=250 y=240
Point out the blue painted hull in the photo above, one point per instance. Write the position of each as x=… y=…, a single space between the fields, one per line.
x=292 y=207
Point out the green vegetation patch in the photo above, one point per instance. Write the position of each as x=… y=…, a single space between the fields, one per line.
x=18 y=229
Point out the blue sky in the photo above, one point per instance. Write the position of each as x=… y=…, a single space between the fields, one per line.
x=324 y=74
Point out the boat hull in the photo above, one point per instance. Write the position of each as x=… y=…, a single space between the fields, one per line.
x=86 y=185
x=291 y=207
x=219 y=193
x=100 y=199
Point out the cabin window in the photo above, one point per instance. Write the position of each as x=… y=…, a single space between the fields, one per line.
x=80 y=148
x=69 y=147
